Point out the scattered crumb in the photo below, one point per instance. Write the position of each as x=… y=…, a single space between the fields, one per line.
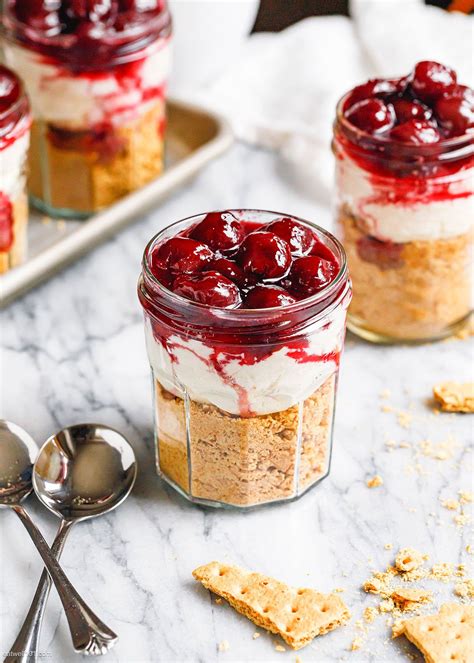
x=256 y=635
x=388 y=546
x=408 y=559
x=387 y=605
x=224 y=645
x=339 y=590
x=356 y=644
x=404 y=419
x=298 y=660
x=465 y=589
x=385 y=393
x=465 y=496
x=442 y=572
x=409 y=599
x=461 y=519
x=469 y=549
x=375 y=481
x=218 y=600
x=451 y=504
x=370 y=614
x=455 y=396
x=386 y=408
x=397 y=628
x=279 y=648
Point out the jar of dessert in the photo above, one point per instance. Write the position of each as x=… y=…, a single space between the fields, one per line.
x=405 y=185
x=245 y=321
x=96 y=73
x=15 y=122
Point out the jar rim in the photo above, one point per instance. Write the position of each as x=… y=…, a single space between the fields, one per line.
x=123 y=45
x=240 y=315
x=457 y=147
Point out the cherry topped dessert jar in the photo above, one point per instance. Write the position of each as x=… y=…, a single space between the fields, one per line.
x=245 y=320
x=15 y=122
x=96 y=73
x=405 y=185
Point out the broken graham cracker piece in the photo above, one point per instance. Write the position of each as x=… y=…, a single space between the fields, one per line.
x=297 y=615
x=409 y=599
x=408 y=559
x=444 y=637
x=454 y=396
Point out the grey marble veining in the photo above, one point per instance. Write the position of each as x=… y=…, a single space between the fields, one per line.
x=73 y=350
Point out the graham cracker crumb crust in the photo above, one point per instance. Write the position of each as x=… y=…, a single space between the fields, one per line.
x=423 y=294
x=245 y=460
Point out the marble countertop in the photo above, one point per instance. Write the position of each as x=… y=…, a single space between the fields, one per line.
x=73 y=350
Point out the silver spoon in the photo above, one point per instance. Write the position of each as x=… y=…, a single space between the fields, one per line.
x=17 y=453
x=81 y=472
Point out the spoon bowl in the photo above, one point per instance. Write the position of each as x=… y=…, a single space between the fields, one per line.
x=17 y=454
x=84 y=471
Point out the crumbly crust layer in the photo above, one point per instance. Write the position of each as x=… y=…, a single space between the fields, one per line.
x=17 y=252
x=424 y=293
x=245 y=460
x=86 y=180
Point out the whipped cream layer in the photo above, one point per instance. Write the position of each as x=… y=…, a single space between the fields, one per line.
x=274 y=383
x=82 y=99
x=411 y=218
x=12 y=166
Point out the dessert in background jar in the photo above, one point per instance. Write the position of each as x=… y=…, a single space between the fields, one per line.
x=405 y=184
x=245 y=321
x=96 y=73
x=15 y=122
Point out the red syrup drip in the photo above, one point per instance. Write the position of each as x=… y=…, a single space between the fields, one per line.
x=6 y=222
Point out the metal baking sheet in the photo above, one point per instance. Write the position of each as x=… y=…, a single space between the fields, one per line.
x=194 y=137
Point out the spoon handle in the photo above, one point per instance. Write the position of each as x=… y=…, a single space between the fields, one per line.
x=89 y=634
x=26 y=646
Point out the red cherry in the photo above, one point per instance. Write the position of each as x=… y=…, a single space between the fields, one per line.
x=406 y=109
x=9 y=88
x=455 y=112
x=93 y=11
x=431 y=79
x=371 y=115
x=415 y=132
x=268 y=296
x=300 y=238
x=265 y=255
x=41 y=15
x=323 y=251
x=181 y=254
x=376 y=87
x=6 y=222
x=310 y=274
x=230 y=270
x=210 y=288
x=219 y=230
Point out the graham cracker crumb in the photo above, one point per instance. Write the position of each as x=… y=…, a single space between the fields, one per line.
x=370 y=614
x=461 y=519
x=454 y=396
x=224 y=645
x=388 y=546
x=356 y=644
x=465 y=589
x=465 y=496
x=298 y=660
x=443 y=571
x=451 y=504
x=256 y=635
x=469 y=549
x=279 y=648
x=385 y=393
x=375 y=481
x=218 y=600
x=408 y=559
x=409 y=599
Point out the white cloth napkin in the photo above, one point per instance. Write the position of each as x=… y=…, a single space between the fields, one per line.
x=282 y=91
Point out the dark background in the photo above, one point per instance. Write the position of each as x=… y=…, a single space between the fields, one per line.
x=274 y=15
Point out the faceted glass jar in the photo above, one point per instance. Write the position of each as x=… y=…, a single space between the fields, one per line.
x=15 y=125
x=405 y=215
x=98 y=109
x=244 y=399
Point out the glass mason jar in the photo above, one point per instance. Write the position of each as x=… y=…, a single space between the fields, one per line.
x=98 y=101
x=15 y=122
x=405 y=215
x=243 y=399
